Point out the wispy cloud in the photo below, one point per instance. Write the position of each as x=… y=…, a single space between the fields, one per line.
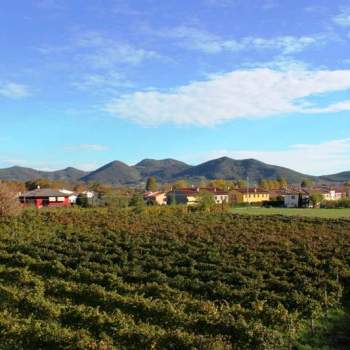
x=343 y=17
x=86 y=166
x=98 y=82
x=98 y=50
x=14 y=90
x=43 y=165
x=193 y=38
x=315 y=159
x=86 y=147
x=254 y=93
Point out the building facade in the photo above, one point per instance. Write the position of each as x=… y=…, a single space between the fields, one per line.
x=250 y=195
x=191 y=196
x=158 y=198
x=44 y=198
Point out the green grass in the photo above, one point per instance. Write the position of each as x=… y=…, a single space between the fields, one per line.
x=320 y=213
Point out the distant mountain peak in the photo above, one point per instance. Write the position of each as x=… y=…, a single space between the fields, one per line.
x=168 y=170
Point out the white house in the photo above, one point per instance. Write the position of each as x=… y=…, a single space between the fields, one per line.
x=297 y=199
x=291 y=200
x=331 y=195
x=88 y=194
x=159 y=198
x=72 y=195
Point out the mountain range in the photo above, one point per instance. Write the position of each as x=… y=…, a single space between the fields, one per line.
x=168 y=170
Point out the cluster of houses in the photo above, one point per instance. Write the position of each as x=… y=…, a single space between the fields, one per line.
x=301 y=198
x=46 y=197
x=289 y=197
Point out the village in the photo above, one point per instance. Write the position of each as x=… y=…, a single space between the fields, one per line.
x=286 y=197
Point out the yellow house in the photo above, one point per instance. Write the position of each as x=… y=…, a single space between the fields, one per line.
x=251 y=195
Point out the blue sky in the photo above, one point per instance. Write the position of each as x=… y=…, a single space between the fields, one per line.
x=83 y=82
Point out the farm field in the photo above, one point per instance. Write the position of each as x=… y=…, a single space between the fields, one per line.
x=305 y=212
x=165 y=279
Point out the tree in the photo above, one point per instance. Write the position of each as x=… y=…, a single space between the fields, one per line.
x=83 y=201
x=9 y=204
x=79 y=188
x=114 y=200
x=137 y=202
x=220 y=183
x=307 y=183
x=181 y=184
x=242 y=184
x=42 y=183
x=167 y=187
x=14 y=186
x=264 y=184
x=152 y=184
x=172 y=199
x=283 y=183
x=203 y=182
x=206 y=201
x=316 y=198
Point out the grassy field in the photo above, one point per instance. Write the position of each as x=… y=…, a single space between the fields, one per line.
x=319 y=213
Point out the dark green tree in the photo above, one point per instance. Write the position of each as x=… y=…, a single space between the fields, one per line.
x=172 y=199
x=83 y=201
x=307 y=183
x=152 y=184
x=137 y=202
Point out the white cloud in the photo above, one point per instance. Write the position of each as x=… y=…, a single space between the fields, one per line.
x=286 y=44
x=315 y=159
x=96 y=50
x=104 y=52
x=254 y=93
x=194 y=39
x=109 y=80
x=333 y=108
x=343 y=18
x=87 y=147
x=6 y=161
x=13 y=90
x=86 y=166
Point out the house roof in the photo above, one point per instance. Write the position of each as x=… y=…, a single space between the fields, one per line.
x=251 y=191
x=278 y=192
x=43 y=192
x=152 y=194
x=195 y=191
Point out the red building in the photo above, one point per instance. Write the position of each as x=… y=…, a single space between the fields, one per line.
x=45 y=198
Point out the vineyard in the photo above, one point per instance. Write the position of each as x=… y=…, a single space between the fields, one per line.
x=167 y=279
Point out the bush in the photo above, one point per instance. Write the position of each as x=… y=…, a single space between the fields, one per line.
x=9 y=204
x=341 y=203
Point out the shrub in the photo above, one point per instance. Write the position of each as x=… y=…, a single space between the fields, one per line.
x=9 y=204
